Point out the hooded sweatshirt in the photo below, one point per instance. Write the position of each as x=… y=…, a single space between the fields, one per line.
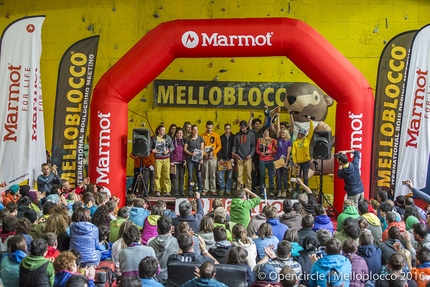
x=150 y=228
x=421 y=274
x=138 y=215
x=278 y=228
x=43 y=274
x=208 y=237
x=220 y=251
x=61 y=278
x=359 y=267
x=251 y=248
x=240 y=210
x=401 y=225
x=255 y=223
x=322 y=267
x=350 y=173
x=244 y=144
x=375 y=226
x=372 y=255
x=10 y=268
x=323 y=222
x=164 y=246
x=350 y=211
x=292 y=219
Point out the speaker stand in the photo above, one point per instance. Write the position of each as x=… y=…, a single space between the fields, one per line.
x=139 y=187
x=321 y=196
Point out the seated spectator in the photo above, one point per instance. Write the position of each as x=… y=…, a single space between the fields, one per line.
x=288 y=277
x=186 y=243
x=12 y=195
x=291 y=217
x=35 y=269
x=217 y=202
x=24 y=228
x=238 y=256
x=280 y=259
x=359 y=265
x=374 y=224
x=220 y=219
x=421 y=273
x=104 y=246
x=139 y=212
x=411 y=217
x=207 y=272
x=185 y=215
x=148 y=268
x=400 y=205
x=114 y=225
x=278 y=228
x=58 y=222
x=310 y=247
x=25 y=209
x=242 y=240
x=306 y=230
x=370 y=253
x=321 y=220
x=150 y=224
x=323 y=236
x=349 y=211
x=119 y=245
x=267 y=276
x=101 y=216
x=16 y=247
x=87 y=280
x=221 y=248
x=256 y=221
x=292 y=236
x=265 y=239
x=421 y=235
x=84 y=237
x=394 y=273
x=51 y=239
x=350 y=230
x=65 y=267
x=185 y=228
x=333 y=260
x=390 y=218
x=206 y=231
x=90 y=203
x=8 y=228
x=393 y=245
x=166 y=211
x=164 y=245
x=130 y=257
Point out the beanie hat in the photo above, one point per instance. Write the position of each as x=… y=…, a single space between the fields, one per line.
x=14 y=189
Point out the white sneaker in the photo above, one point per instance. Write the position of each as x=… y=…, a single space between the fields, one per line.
x=158 y=194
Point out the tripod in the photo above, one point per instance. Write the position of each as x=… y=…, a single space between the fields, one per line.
x=140 y=185
x=321 y=196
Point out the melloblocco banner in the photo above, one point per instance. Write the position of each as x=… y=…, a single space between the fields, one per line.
x=74 y=87
x=390 y=95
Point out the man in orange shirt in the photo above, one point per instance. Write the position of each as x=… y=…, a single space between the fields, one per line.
x=212 y=145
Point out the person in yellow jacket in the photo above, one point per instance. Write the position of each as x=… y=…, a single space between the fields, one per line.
x=212 y=145
x=301 y=153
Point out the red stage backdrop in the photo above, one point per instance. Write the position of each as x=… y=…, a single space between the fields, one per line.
x=303 y=45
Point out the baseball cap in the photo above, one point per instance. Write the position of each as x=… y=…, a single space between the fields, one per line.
x=243 y=124
x=302 y=131
x=14 y=189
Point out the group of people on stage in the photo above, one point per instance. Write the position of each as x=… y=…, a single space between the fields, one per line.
x=216 y=164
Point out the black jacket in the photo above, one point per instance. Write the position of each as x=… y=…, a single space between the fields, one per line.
x=226 y=147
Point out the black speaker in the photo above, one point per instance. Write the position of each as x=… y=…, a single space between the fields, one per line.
x=141 y=142
x=322 y=145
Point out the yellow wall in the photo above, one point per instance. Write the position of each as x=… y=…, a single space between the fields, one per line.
x=358 y=30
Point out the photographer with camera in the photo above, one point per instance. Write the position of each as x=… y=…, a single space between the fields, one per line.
x=350 y=173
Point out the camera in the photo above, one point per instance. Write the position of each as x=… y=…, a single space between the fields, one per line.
x=336 y=155
x=404 y=182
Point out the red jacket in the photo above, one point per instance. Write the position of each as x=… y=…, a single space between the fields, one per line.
x=400 y=225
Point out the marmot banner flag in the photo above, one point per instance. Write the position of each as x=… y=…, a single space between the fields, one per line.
x=401 y=143
x=22 y=147
x=74 y=87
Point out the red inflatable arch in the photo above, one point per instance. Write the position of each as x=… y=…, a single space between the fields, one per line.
x=304 y=46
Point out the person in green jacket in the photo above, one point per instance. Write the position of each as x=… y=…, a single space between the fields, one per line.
x=349 y=210
x=240 y=207
x=35 y=269
x=114 y=225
